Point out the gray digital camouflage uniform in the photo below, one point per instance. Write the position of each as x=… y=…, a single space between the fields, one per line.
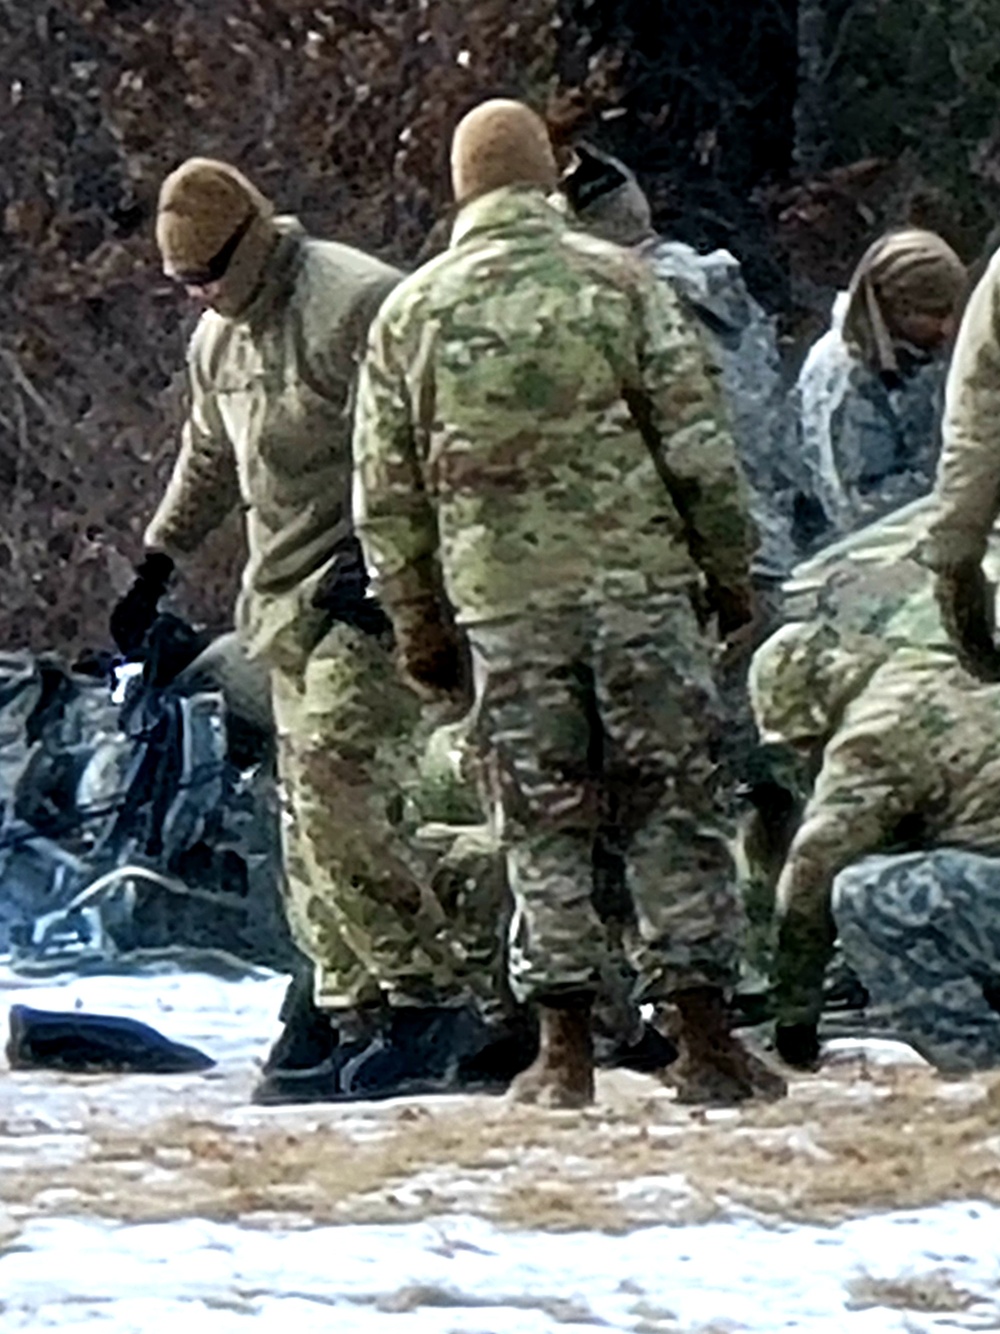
x=921 y=931
x=269 y=429
x=742 y=341
x=524 y=399
x=911 y=762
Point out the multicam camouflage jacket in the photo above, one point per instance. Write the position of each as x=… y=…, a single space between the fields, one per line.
x=525 y=397
x=269 y=427
x=913 y=763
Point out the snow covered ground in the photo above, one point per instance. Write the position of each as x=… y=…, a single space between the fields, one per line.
x=144 y=1203
x=462 y=1275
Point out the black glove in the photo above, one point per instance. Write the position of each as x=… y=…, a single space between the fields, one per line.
x=965 y=598
x=733 y=607
x=344 y=584
x=342 y=592
x=798 y=1045
x=133 y=614
x=433 y=655
x=436 y=663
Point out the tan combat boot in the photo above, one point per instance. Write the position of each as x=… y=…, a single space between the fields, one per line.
x=714 y=1067
x=562 y=1075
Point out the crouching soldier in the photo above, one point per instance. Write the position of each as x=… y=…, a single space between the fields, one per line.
x=272 y=365
x=898 y=849
x=542 y=470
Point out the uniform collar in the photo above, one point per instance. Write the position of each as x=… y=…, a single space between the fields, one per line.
x=510 y=206
x=279 y=272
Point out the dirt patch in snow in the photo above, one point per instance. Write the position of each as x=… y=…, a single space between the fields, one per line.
x=848 y=1141
x=933 y=1293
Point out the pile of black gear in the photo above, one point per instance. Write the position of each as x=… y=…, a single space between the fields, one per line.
x=138 y=808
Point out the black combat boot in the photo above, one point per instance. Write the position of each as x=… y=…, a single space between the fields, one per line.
x=306 y=1061
x=308 y=1037
x=510 y=1044
x=403 y=1052
x=646 y=1054
x=320 y=1083
x=433 y=1049
x=351 y=1034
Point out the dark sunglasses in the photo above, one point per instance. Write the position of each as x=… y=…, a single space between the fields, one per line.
x=217 y=266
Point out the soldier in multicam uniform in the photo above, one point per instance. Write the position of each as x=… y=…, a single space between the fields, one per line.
x=272 y=366
x=541 y=470
x=898 y=848
x=869 y=396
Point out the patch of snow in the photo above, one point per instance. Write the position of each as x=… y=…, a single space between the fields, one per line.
x=873 y=1051
x=22 y=1149
x=960 y=1091
x=46 y=1117
x=460 y=1273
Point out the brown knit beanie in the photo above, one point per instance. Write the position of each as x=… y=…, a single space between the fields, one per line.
x=214 y=225
x=499 y=143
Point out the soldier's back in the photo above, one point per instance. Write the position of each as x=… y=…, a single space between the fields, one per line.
x=946 y=728
x=522 y=345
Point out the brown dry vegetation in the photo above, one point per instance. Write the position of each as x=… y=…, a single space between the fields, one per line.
x=839 y=1146
x=341 y=111
x=931 y=1292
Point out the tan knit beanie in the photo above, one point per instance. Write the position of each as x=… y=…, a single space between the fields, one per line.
x=214 y=225
x=804 y=675
x=499 y=143
x=907 y=271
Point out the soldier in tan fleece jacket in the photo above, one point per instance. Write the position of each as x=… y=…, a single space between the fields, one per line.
x=967 y=489
x=272 y=365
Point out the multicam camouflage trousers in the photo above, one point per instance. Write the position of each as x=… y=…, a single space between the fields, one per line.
x=922 y=931
x=595 y=719
x=383 y=918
